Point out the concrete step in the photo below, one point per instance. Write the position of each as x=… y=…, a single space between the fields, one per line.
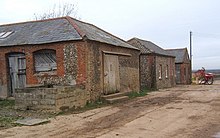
x=115 y=95
x=117 y=99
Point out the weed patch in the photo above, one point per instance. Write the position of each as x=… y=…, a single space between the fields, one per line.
x=143 y=92
x=92 y=105
x=7 y=103
x=7 y=121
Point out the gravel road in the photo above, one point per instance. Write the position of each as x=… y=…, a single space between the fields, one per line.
x=189 y=111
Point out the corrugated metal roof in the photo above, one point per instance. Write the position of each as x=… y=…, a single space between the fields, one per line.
x=56 y=30
x=147 y=47
x=179 y=54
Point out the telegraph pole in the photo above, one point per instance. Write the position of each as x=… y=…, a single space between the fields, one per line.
x=190 y=46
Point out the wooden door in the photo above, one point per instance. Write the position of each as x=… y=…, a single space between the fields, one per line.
x=17 y=72
x=178 y=74
x=111 y=74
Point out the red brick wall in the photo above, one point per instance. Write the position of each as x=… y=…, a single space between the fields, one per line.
x=185 y=75
x=82 y=62
x=56 y=77
x=28 y=51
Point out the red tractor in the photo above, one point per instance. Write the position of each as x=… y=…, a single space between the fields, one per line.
x=205 y=78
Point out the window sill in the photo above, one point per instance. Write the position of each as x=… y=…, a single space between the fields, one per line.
x=48 y=73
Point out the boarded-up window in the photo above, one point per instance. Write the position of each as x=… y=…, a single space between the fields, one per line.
x=45 y=60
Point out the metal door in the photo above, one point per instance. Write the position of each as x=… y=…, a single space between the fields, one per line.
x=17 y=71
x=111 y=74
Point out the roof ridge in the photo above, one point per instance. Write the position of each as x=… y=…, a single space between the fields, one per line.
x=151 y=42
x=71 y=21
x=33 y=21
x=177 y=48
x=144 y=43
x=143 y=40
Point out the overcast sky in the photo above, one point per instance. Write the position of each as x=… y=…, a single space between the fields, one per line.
x=166 y=23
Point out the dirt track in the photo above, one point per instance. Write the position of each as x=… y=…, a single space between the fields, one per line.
x=183 y=111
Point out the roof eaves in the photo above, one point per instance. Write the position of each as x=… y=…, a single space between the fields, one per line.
x=165 y=55
x=157 y=54
x=114 y=45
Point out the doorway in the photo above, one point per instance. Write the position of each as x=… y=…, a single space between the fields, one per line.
x=111 y=74
x=17 y=71
x=178 y=74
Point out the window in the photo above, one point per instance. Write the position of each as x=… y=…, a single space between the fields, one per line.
x=160 y=72
x=45 y=60
x=5 y=34
x=167 y=68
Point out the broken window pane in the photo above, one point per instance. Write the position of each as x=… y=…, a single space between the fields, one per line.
x=45 y=60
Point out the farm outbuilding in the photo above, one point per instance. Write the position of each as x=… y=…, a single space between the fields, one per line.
x=157 y=66
x=66 y=55
x=182 y=65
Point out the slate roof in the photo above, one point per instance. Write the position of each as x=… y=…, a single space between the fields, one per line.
x=179 y=54
x=56 y=30
x=39 y=32
x=94 y=33
x=147 y=47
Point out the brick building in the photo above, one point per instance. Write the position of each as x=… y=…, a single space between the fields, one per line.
x=65 y=52
x=182 y=65
x=157 y=67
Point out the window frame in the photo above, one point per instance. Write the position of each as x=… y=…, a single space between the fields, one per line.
x=48 y=58
x=167 y=72
x=160 y=72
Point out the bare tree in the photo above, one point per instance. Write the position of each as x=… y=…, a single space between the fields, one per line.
x=66 y=9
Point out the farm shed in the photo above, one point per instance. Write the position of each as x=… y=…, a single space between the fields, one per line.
x=77 y=62
x=182 y=65
x=157 y=67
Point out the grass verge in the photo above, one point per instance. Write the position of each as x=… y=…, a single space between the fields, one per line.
x=7 y=117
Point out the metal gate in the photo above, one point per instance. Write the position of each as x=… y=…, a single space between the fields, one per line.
x=111 y=74
x=17 y=71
